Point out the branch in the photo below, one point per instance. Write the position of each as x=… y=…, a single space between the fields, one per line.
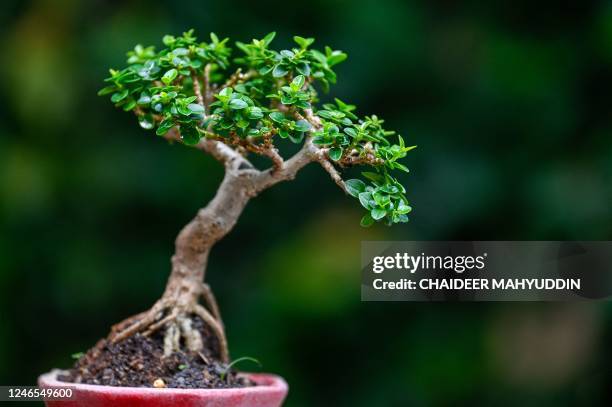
x=219 y=150
x=196 y=88
x=238 y=76
x=208 y=93
x=329 y=167
x=272 y=154
x=288 y=170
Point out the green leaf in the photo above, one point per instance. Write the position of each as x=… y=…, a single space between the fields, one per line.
x=302 y=125
x=189 y=135
x=365 y=198
x=146 y=122
x=373 y=176
x=226 y=92
x=335 y=153
x=254 y=113
x=144 y=99
x=77 y=355
x=355 y=186
x=366 y=221
x=168 y=40
x=303 y=68
x=233 y=363
x=164 y=126
x=279 y=71
x=196 y=108
x=107 y=90
x=378 y=213
x=303 y=42
x=296 y=137
x=169 y=76
x=268 y=38
x=237 y=104
x=129 y=105
x=350 y=131
x=278 y=117
x=119 y=96
x=298 y=82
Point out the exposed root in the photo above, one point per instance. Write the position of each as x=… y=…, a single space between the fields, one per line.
x=193 y=338
x=174 y=313
x=147 y=319
x=176 y=318
x=217 y=329
x=211 y=303
x=172 y=339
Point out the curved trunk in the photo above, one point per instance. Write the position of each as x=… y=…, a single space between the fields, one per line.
x=179 y=304
x=195 y=240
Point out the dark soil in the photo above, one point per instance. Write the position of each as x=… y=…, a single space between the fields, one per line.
x=137 y=362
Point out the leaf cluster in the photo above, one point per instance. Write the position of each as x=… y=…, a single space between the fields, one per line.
x=259 y=98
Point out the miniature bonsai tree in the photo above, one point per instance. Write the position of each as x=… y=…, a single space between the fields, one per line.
x=232 y=106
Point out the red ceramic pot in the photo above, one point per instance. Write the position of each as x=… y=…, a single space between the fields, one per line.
x=269 y=392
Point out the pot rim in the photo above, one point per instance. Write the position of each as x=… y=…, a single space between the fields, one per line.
x=266 y=383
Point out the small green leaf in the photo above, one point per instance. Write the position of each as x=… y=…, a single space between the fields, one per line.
x=298 y=82
x=237 y=104
x=144 y=99
x=303 y=42
x=145 y=122
x=302 y=125
x=355 y=186
x=119 y=96
x=236 y=361
x=278 y=117
x=107 y=90
x=365 y=198
x=366 y=221
x=254 y=113
x=77 y=355
x=279 y=71
x=164 y=126
x=378 y=213
x=335 y=153
x=168 y=40
x=189 y=135
x=350 y=131
x=226 y=92
x=169 y=76
x=303 y=68
x=268 y=38
x=129 y=105
x=373 y=176
x=196 y=108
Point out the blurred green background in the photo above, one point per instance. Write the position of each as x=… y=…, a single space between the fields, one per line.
x=508 y=102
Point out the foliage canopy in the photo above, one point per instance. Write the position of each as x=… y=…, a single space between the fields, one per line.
x=257 y=99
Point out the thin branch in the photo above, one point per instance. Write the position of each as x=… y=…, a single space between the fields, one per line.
x=208 y=93
x=196 y=88
x=288 y=170
x=329 y=167
x=272 y=154
x=312 y=119
x=238 y=76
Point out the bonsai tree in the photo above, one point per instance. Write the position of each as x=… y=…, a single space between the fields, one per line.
x=232 y=107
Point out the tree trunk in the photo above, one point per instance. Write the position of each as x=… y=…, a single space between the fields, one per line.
x=179 y=304
x=195 y=240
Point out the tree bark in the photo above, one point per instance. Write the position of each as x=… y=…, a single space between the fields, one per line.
x=211 y=224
